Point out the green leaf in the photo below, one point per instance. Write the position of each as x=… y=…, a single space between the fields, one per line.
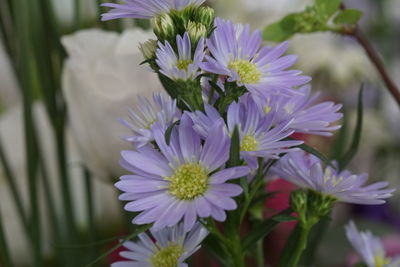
x=315 y=152
x=277 y=33
x=290 y=247
x=348 y=16
x=217 y=249
x=140 y=229
x=168 y=132
x=234 y=154
x=327 y=7
x=264 y=228
x=346 y=158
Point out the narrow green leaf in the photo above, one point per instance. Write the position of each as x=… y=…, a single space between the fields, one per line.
x=234 y=154
x=168 y=132
x=140 y=229
x=346 y=158
x=290 y=247
x=5 y=256
x=215 y=247
x=315 y=152
x=348 y=16
x=264 y=228
x=340 y=143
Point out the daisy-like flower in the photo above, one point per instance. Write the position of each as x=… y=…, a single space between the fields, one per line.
x=237 y=54
x=185 y=180
x=306 y=171
x=259 y=136
x=370 y=248
x=305 y=114
x=170 y=248
x=147 y=9
x=162 y=109
x=181 y=66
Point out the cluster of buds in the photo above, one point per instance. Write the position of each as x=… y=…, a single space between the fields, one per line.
x=197 y=21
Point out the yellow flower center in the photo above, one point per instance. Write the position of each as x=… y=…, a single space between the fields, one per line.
x=183 y=64
x=249 y=143
x=381 y=260
x=247 y=71
x=189 y=181
x=167 y=257
x=267 y=109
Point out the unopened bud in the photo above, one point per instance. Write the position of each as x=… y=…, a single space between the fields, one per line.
x=298 y=202
x=205 y=16
x=164 y=27
x=319 y=204
x=196 y=31
x=148 y=49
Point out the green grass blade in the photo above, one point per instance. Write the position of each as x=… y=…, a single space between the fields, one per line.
x=346 y=158
x=5 y=257
x=140 y=229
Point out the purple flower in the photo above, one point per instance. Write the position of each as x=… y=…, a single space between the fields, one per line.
x=306 y=171
x=237 y=54
x=170 y=248
x=259 y=136
x=306 y=116
x=147 y=9
x=162 y=110
x=369 y=247
x=183 y=181
x=181 y=66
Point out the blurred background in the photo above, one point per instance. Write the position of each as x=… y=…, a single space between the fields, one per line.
x=66 y=77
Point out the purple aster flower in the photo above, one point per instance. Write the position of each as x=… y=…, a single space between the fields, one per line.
x=163 y=110
x=237 y=54
x=183 y=181
x=369 y=247
x=181 y=66
x=259 y=136
x=170 y=248
x=305 y=114
x=147 y=9
x=306 y=171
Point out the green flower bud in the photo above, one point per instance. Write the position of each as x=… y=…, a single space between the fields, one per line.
x=320 y=205
x=298 y=202
x=148 y=49
x=164 y=27
x=196 y=31
x=205 y=16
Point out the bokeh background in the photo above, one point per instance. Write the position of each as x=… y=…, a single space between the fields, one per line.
x=98 y=77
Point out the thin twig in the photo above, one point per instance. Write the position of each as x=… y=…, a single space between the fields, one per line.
x=373 y=55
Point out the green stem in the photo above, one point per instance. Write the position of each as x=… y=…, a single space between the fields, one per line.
x=260 y=253
x=236 y=251
x=302 y=244
x=5 y=257
x=11 y=179
x=77 y=14
x=50 y=204
x=90 y=210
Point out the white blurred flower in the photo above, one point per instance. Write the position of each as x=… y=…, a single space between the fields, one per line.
x=101 y=79
x=12 y=138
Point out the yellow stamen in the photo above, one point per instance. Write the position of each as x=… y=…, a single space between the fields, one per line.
x=183 y=64
x=189 y=181
x=168 y=256
x=249 y=143
x=247 y=71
